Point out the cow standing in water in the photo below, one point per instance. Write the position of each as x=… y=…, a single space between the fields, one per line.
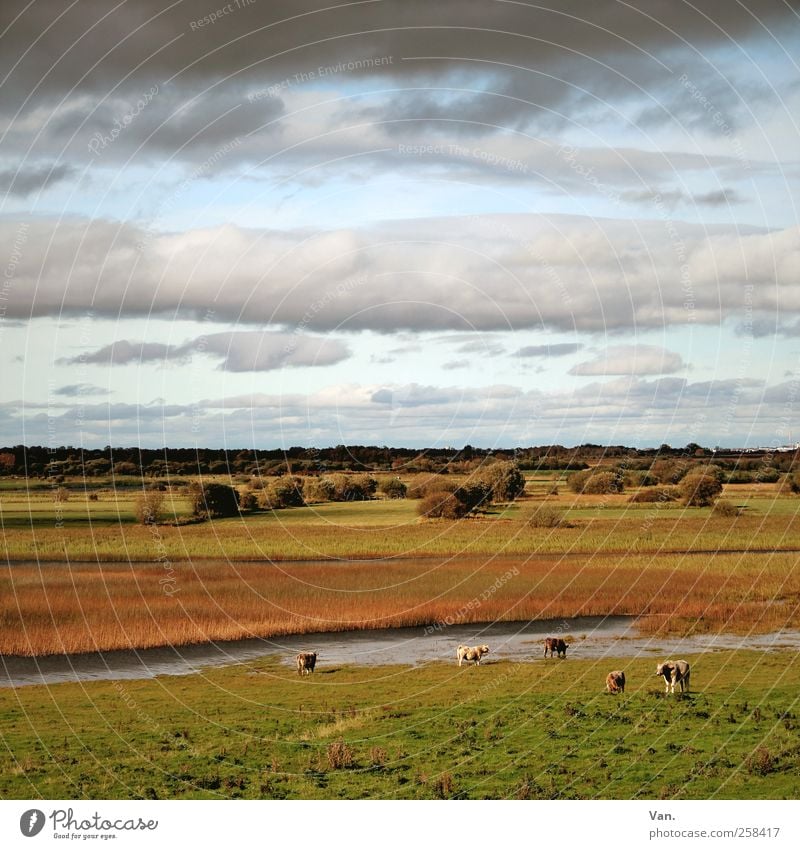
x=556 y=646
x=306 y=661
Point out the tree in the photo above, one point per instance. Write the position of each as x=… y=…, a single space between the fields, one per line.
x=505 y=480
x=148 y=506
x=700 y=490
x=318 y=489
x=285 y=491
x=393 y=488
x=213 y=500
x=442 y=505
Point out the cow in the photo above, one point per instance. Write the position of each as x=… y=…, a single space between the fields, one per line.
x=474 y=654
x=556 y=646
x=306 y=661
x=615 y=682
x=674 y=672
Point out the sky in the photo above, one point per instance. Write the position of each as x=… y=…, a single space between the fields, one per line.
x=270 y=224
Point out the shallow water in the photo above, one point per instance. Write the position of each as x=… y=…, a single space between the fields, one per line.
x=592 y=637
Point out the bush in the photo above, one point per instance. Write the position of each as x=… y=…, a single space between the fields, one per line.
x=699 y=490
x=393 y=488
x=504 y=478
x=547 y=517
x=657 y=494
x=285 y=491
x=353 y=487
x=596 y=483
x=790 y=484
x=213 y=500
x=318 y=489
x=442 y=505
x=428 y=487
x=455 y=503
x=60 y=494
x=148 y=506
x=247 y=499
x=725 y=510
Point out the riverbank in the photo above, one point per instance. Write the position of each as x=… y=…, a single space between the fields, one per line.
x=504 y=730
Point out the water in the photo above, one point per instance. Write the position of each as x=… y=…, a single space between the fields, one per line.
x=592 y=637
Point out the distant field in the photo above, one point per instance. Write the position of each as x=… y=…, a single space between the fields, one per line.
x=82 y=575
x=542 y=730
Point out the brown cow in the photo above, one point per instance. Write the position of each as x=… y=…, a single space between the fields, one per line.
x=556 y=646
x=306 y=661
x=615 y=682
x=674 y=672
x=474 y=654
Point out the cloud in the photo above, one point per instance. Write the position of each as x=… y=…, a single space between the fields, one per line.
x=237 y=351
x=631 y=360
x=77 y=389
x=557 y=349
x=672 y=197
x=482 y=273
x=626 y=410
x=28 y=178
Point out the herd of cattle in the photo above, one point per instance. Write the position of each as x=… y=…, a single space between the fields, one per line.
x=674 y=672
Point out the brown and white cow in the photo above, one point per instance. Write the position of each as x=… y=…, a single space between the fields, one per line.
x=473 y=654
x=615 y=682
x=556 y=646
x=674 y=672
x=306 y=661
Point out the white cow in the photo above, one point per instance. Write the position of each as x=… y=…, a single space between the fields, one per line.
x=473 y=654
x=674 y=672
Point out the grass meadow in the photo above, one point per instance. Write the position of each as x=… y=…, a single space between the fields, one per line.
x=540 y=730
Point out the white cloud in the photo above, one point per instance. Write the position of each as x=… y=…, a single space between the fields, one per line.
x=631 y=360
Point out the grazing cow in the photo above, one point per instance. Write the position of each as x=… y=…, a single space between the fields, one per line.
x=674 y=672
x=474 y=654
x=556 y=646
x=615 y=682
x=306 y=661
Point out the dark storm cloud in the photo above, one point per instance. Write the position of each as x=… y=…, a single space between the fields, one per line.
x=175 y=83
x=26 y=180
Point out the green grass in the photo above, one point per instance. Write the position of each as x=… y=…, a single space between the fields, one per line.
x=537 y=730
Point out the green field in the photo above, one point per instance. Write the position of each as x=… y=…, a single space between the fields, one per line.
x=541 y=730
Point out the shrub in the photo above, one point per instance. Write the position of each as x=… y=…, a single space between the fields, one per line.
x=504 y=478
x=596 y=483
x=148 y=506
x=60 y=494
x=393 y=488
x=790 y=484
x=725 y=510
x=656 y=494
x=699 y=490
x=428 y=487
x=285 y=491
x=318 y=489
x=247 y=499
x=442 y=505
x=213 y=500
x=547 y=517
x=474 y=495
x=353 y=487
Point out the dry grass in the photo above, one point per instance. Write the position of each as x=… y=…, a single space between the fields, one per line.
x=54 y=609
